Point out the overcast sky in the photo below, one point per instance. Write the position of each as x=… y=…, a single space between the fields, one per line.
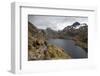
x=55 y=22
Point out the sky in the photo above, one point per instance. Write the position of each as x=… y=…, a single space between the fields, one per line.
x=55 y=22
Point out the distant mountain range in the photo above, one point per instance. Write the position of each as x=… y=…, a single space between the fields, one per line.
x=68 y=31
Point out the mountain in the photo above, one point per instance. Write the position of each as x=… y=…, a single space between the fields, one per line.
x=51 y=33
x=74 y=28
x=69 y=31
x=75 y=24
x=77 y=32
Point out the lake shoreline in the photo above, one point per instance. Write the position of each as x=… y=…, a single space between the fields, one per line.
x=70 y=46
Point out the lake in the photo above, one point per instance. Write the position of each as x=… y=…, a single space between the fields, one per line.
x=70 y=47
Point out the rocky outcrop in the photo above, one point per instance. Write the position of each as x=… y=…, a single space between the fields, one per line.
x=40 y=49
x=47 y=53
x=55 y=52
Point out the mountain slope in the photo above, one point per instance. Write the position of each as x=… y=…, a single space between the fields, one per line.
x=40 y=49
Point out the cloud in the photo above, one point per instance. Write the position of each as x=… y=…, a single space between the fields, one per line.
x=55 y=22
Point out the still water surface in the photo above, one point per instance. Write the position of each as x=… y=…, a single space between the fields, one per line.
x=70 y=47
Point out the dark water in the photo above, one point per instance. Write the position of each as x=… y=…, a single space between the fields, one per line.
x=70 y=47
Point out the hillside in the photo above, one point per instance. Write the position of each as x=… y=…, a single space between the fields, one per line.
x=40 y=49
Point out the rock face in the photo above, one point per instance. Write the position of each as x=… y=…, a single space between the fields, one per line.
x=39 y=49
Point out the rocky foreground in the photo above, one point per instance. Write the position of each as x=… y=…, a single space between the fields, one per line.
x=40 y=49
